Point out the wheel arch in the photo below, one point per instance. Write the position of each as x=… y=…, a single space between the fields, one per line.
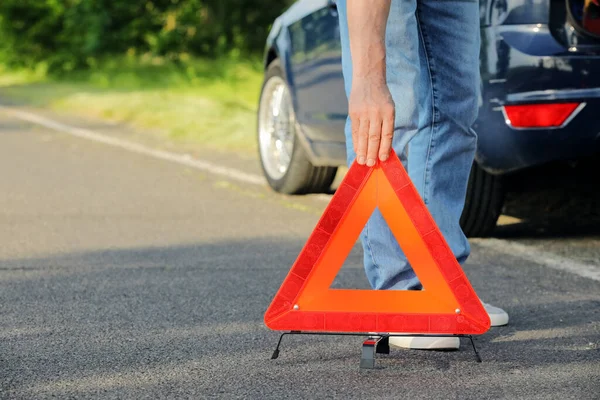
x=271 y=55
x=302 y=176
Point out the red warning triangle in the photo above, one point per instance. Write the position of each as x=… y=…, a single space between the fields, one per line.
x=447 y=305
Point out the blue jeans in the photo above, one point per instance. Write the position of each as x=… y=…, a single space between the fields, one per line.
x=433 y=75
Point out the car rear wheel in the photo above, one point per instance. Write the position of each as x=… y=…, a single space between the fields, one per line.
x=284 y=161
x=483 y=204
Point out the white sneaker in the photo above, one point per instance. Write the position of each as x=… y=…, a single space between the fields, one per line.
x=498 y=316
x=425 y=342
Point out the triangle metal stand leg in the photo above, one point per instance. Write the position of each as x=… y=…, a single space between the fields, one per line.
x=477 y=356
x=275 y=354
x=375 y=344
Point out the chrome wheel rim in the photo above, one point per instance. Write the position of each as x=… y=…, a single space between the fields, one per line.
x=276 y=126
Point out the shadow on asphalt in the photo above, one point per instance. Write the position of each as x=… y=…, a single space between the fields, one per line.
x=565 y=212
x=112 y=317
x=554 y=201
x=554 y=228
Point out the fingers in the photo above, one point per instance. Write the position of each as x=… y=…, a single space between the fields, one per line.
x=373 y=140
x=355 y=128
x=371 y=110
x=362 y=140
x=387 y=135
x=372 y=136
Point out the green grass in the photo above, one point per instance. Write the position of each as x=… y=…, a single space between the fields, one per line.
x=211 y=102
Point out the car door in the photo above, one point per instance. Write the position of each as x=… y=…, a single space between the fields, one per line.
x=316 y=66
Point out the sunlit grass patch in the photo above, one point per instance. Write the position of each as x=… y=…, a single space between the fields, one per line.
x=211 y=102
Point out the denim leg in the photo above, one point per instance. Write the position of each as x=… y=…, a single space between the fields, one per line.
x=442 y=153
x=433 y=75
x=385 y=264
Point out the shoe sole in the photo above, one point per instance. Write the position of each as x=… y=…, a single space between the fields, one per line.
x=424 y=342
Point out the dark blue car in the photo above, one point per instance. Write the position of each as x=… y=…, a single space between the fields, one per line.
x=540 y=81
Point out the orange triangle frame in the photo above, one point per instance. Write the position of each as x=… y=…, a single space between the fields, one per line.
x=447 y=305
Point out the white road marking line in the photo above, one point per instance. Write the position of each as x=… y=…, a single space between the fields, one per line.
x=547 y=259
x=183 y=159
x=522 y=251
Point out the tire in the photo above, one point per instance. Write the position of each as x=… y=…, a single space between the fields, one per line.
x=483 y=203
x=300 y=176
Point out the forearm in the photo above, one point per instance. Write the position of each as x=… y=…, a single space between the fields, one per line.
x=367 y=21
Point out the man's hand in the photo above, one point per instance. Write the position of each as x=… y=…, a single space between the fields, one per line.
x=372 y=115
x=371 y=105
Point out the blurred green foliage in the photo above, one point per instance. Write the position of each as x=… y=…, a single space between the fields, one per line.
x=65 y=35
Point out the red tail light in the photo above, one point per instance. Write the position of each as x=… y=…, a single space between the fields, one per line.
x=552 y=115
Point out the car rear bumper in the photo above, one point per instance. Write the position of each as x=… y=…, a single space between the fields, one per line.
x=503 y=149
x=515 y=73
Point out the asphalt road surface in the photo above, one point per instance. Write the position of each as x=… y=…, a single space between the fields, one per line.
x=123 y=275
